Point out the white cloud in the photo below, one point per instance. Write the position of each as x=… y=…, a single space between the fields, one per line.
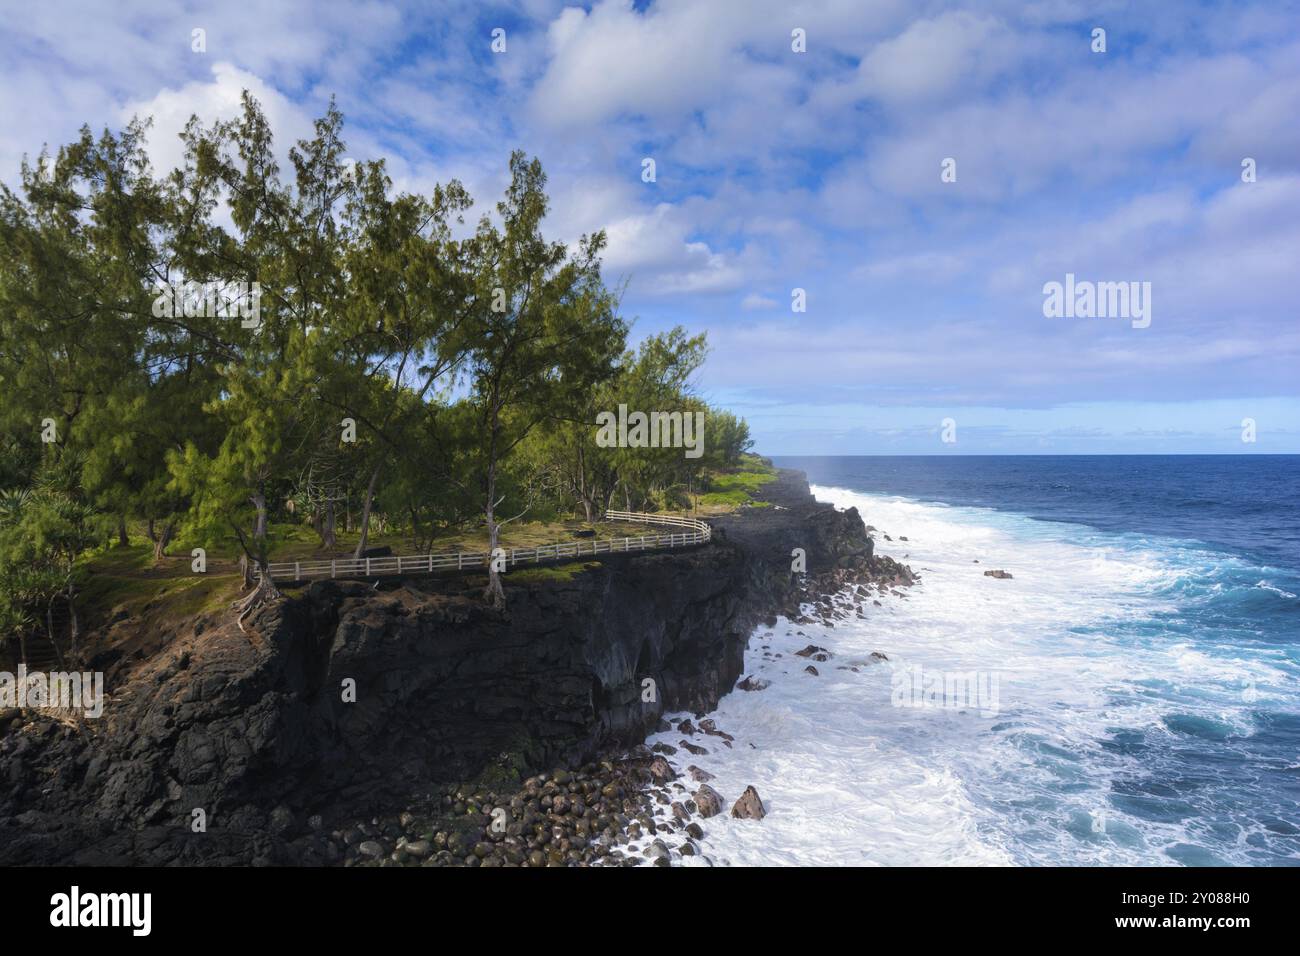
x=614 y=60
x=216 y=99
x=935 y=57
x=755 y=302
x=655 y=252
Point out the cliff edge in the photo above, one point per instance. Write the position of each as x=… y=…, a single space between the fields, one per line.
x=347 y=697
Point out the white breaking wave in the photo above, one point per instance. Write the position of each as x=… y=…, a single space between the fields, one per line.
x=849 y=778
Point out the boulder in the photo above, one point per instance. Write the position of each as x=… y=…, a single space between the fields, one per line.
x=749 y=806
x=661 y=770
x=708 y=800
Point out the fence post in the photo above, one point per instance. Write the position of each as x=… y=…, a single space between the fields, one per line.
x=367 y=567
x=334 y=567
x=297 y=570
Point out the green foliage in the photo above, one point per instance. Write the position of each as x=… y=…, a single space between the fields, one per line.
x=43 y=530
x=470 y=365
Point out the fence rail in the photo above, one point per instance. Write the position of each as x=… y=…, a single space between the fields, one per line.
x=693 y=532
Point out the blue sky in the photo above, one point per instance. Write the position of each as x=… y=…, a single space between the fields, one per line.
x=778 y=170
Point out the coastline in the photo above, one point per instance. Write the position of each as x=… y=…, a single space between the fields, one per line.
x=533 y=722
x=458 y=708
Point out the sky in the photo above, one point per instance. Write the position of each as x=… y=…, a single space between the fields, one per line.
x=917 y=175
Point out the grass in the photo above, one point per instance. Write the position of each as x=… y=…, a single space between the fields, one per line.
x=552 y=572
x=123 y=582
x=738 y=488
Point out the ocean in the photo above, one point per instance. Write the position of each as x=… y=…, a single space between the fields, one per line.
x=1142 y=662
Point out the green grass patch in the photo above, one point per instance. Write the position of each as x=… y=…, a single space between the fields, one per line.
x=126 y=580
x=740 y=486
x=559 y=572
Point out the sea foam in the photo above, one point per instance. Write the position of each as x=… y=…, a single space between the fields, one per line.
x=1115 y=738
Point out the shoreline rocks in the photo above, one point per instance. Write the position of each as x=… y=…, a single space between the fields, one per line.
x=749 y=806
x=708 y=800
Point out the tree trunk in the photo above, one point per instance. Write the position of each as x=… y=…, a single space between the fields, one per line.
x=265 y=585
x=74 y=626
x=259 y=527
x=123 y=540
x=49 y=629
x=160 y=543
x=328 y=538
x=416 y=537
x=495 y=594
x=583 y=498
x=365 y=513
x=263 y=594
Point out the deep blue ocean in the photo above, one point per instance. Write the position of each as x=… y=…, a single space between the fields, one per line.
x=1148 y=644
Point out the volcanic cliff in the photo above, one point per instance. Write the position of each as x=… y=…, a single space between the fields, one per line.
x=257 y=730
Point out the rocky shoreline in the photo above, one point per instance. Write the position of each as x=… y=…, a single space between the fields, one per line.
x=454 y=704
x=638 y=807
x=631 y=808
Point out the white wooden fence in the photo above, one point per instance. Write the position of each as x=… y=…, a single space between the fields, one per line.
x=692 y=532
